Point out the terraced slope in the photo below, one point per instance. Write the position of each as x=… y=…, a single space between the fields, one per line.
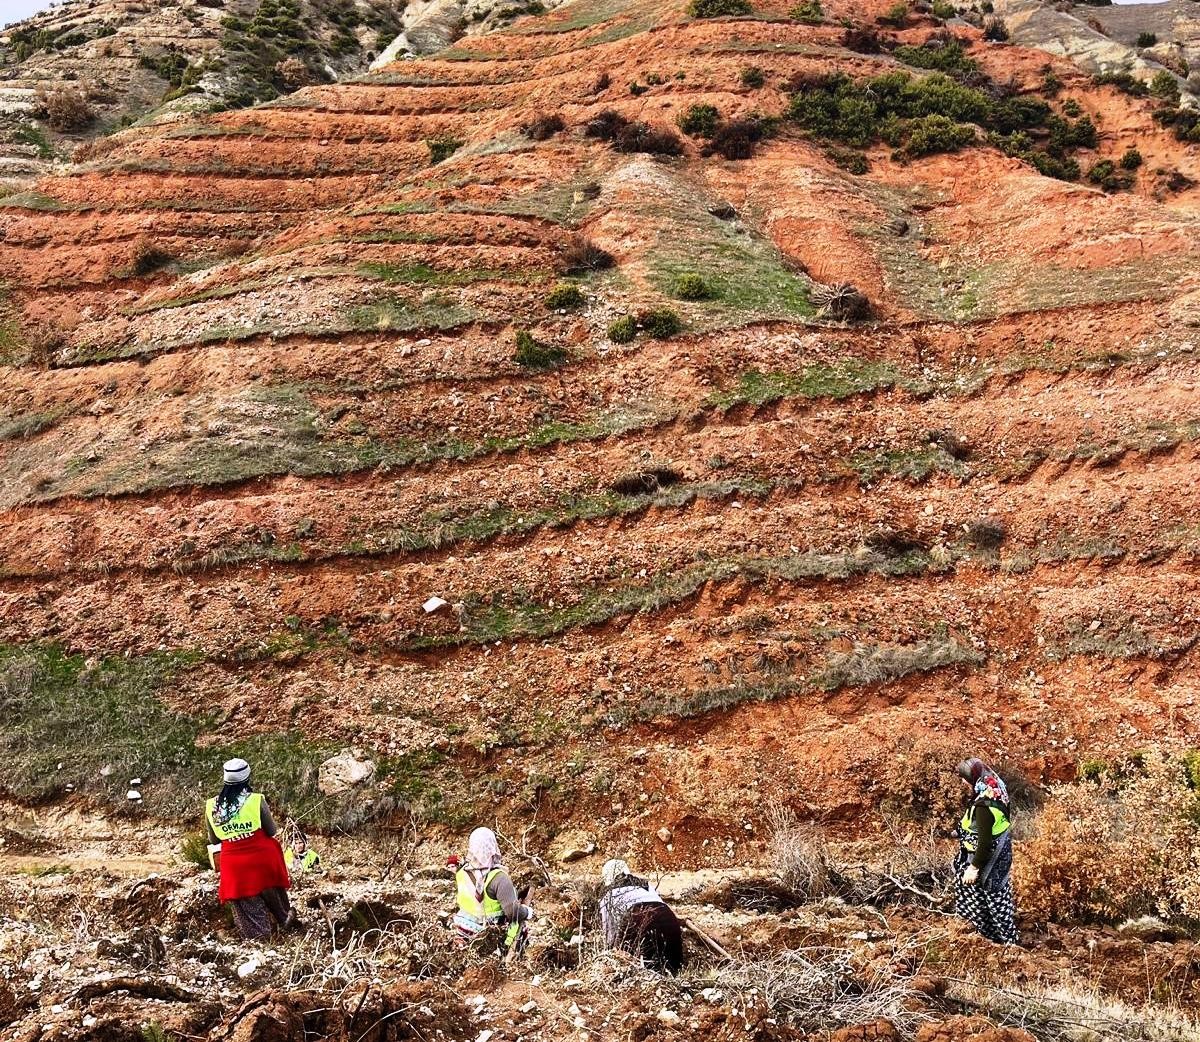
x=265 y=398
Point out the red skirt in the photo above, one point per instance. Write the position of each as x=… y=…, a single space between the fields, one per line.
x=251 y=865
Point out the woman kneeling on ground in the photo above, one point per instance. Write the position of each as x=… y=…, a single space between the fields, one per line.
x=254 y=878
x=637 y=920
x=486 y=895
x=983 y=889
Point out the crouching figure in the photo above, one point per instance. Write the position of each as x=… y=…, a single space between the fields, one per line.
x=637 y=920
x=487 y=898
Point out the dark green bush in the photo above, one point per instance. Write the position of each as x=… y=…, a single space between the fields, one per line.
x=1123 y=81
x=718 y=8
x=809 y=12
x=442 y=148
x=947 y=57
x=1072 y=108
x=691 y=286
x=1051 y=84
x=699 y=120
x=533 y=354
x=896 y=15
x=1146 y=40
x=931 y=134
x=849 y=160
x=1131 y=160
x=565 y=295
x=943 y=10
x=623 y=330
x=637 y=89
x=736 y=138
x=752 y=77
x=1165 y=87
x=1106 y=174
x=660 y=323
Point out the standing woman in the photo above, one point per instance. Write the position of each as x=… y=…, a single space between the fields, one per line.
x=253 y=874
x=983 y=889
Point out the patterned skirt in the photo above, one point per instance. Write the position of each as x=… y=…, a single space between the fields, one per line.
x=988 y=904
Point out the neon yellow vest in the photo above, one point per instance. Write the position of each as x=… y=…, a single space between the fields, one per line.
x=242 y=825
x=486 y=910
x=970 y=834
x=306 y=862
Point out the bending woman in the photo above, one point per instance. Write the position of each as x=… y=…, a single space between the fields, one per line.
x=983 y=889
x=254 y=878
x=636 y=919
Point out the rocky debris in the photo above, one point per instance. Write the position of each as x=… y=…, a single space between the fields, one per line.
x=571 y=846
x=349 y=769
x=431 y=25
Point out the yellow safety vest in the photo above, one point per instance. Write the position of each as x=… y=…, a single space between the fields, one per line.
x=485 y=910
x=242 y=825
x=310 y=858
x=970 y=834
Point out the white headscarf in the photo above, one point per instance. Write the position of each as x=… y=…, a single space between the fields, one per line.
x=483 y=851
x=614 y=870
x=483 y=854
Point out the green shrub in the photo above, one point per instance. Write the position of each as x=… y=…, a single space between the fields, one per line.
x=948 y=57
x=565 y=295
x=1123 y=81
x=848 y=159
x=660 y=323
x=943 y=10
x=931 y=134
x=1108 y=176
x=1165 y=87
x=752 y=77
x=896 y=15
x=533 y=354
x=718 y=8
x=699 y=120
x=1072 y=108
x=1146 y=40
x=1051 y=84
x=194 y=849
x=809 y=11
x=442 y=148
x=637 y=89
x=692 y=287
x=623 y=330
x=1131 y=160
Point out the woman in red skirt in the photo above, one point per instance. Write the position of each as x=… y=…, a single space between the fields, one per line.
x=254 y=877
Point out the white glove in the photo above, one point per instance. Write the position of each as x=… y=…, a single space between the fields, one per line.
x=970 y=874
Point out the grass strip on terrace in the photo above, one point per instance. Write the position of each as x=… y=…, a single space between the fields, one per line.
x=512 y=617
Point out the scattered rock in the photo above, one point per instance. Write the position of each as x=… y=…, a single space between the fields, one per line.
x=572 y=845
x=347 y=770
x=664 y=834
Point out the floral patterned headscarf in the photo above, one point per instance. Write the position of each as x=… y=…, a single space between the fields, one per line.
x=986 y=782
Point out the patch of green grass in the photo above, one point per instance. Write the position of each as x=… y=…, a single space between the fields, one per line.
x=837 y=380
x=32 y=200
x=58 y=709
x=26 y=425
x=531 y=353
x=395 y=314
x=33 y=135
x=513 y=616
x=748 y=277
x=622 y=330
x=909 y=464
x=419 y=274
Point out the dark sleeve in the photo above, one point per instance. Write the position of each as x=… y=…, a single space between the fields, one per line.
x=268 y=822
x=501 y=889
x=983 y=827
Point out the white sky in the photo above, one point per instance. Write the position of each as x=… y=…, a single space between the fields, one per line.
x=15 y=10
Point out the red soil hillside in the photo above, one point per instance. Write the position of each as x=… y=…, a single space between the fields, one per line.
x=264 y=398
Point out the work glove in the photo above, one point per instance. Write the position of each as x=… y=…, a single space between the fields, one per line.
x=970 y=875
